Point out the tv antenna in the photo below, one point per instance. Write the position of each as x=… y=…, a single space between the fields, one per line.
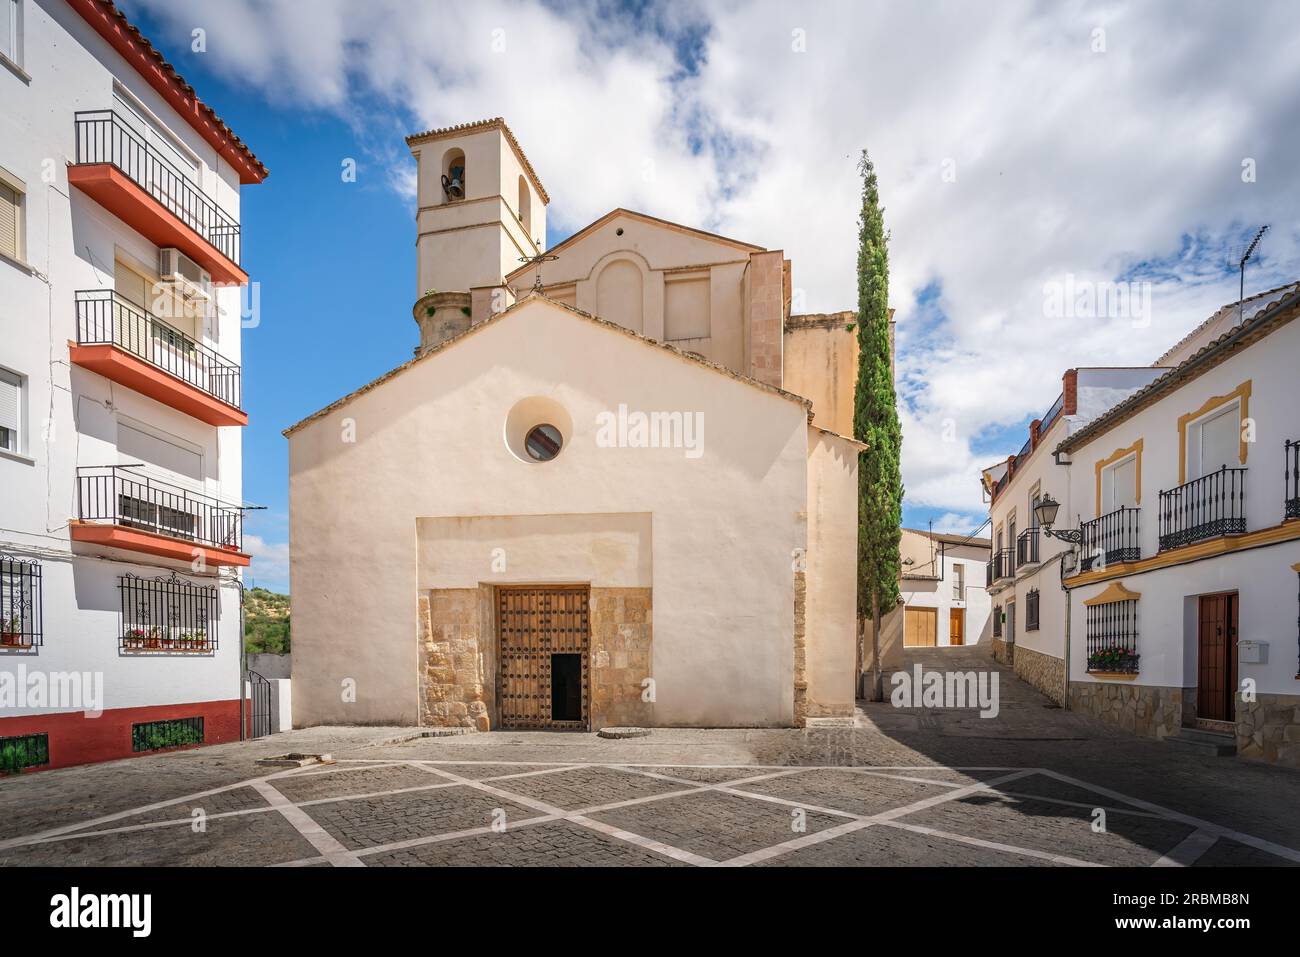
x=1250 y=251
x=537 y=261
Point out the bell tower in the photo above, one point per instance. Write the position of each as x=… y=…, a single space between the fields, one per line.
x=481 y=207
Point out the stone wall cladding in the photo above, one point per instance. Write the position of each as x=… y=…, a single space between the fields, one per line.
x=1044 y=672
x=622 y=630
x=451 y=663
x=1004 y=653
x=800 y=649
x=1149 y=710
x=1268 y=729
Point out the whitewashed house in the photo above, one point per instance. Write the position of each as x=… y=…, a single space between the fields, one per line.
x=1180 y=505
x=942 y=584
x=120 y=400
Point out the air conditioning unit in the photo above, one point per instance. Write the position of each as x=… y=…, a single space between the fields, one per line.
x=190 y=280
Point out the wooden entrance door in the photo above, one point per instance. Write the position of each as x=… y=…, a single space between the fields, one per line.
x=920 y=627
x=1216 y=687
x=956 y=626
x=541 y=631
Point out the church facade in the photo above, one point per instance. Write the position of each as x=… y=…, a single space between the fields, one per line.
x=613 y=487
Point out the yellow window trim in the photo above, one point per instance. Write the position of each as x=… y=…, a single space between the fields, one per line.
x=1114 y=592
x=1135 y=448
x=1242 y=392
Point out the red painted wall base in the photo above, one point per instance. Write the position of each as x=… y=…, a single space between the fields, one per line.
x=77 y=739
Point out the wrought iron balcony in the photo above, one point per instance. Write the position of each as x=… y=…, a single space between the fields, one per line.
x=1110 y=539
x=1027 y=547
x=1004 y=563
x=103 y=136
x=118 y=497
x=1207 y=507
x=1292 y=479
x=105 y=318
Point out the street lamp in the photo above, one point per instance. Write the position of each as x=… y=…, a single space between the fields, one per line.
x=1046 y=510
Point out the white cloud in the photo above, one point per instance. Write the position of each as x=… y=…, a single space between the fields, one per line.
x=270 y=568
x=1067 y=161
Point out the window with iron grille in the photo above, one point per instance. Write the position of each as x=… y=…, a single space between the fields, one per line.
x=20 y=602
x=997 y=621
x=172 y=733
x=166 y=615
x=1112 y=636
x=1031 y=610
x=24 y=751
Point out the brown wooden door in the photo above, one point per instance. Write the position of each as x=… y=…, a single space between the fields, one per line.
x=543 y=678
x=920 y=627
x=956 y=626
x=1217 y=658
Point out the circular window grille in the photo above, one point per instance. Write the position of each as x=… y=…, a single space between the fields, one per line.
x=543 y=442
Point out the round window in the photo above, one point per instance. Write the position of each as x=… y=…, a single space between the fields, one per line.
x=543 y=442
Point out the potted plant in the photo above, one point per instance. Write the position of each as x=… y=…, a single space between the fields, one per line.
x=1114 y=661
x=11 y=630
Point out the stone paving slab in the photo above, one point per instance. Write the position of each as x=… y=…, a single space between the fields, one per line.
x=370 y=822
x=1056 y=829
x=855 y=793
x=891 y=847
x=714 y=825
x=578 y=788
x=1229 y=853
x=251 y=840
x=336 y=782
x=554 y=844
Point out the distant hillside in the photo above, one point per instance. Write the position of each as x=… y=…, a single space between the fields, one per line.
x=266 y=622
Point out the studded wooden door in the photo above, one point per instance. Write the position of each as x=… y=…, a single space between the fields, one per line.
x=544 y=676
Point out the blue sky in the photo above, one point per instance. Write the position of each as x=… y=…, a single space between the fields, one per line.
x=1038 y=143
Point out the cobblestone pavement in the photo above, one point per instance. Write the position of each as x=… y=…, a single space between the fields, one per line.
x=1033 y=786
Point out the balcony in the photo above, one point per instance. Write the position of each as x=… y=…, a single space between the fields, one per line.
x=1004 y=563
x=1207 y=507
x=117 y=168
x=123 y=509
x=1110 y=539
x=1027 y=547
x=1292 y=479
x=122 y=342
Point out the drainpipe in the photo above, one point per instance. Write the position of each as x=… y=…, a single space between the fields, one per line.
x=243 y=663
x=1060 y=569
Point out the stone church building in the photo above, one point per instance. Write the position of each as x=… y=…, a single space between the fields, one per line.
x=613 y=487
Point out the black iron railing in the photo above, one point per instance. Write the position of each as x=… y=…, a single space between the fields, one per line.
x=106 y=318
x=1027 y=547
x=168 y=733
x=20 y=603
x=988 y=574
x=1112 y=637
x=1292 y=479
x=1051 y=415
x=1004 y=563
x=1109 y=539
x=1206 y=507
x=164 y=615
x=103 y=136
x=24 y=751
x=120 y=496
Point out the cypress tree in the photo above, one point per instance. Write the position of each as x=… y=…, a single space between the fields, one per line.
x=875 y=423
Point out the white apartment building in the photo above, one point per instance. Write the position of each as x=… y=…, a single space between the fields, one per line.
x=1173 y=605
x=942 y=584
x=120 y=402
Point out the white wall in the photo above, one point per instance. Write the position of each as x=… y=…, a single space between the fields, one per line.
x=430 y=443
x=925 y=593
x=72 y=415
x=1263 y=577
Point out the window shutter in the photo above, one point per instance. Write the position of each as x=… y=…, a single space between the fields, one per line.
x=9 y=386
x=9 y=220
x=1221 y=441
